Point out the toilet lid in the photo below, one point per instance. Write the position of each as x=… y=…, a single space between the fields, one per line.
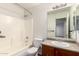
x=32 y=50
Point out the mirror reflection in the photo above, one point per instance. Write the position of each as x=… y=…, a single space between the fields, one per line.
x=64 y=23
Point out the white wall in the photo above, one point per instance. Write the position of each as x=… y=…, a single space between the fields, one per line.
x=40 y=19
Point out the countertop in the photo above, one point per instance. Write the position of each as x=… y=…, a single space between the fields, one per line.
x=72 y=46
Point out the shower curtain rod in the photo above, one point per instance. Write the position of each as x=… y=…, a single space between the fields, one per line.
x=23 y=8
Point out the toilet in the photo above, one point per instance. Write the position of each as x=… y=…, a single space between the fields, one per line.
x=34 y=50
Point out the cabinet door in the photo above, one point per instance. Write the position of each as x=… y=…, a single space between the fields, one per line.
x=47 y=50
x=61 y=52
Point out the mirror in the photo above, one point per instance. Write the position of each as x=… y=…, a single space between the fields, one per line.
x=76 y=21
x=60 y=30
x=63 y=24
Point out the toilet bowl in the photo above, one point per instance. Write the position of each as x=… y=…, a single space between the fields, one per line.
x=33 y=50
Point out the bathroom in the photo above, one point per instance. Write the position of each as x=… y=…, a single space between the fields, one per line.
x=39 y=29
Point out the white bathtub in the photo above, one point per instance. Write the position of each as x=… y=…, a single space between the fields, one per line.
x=15 y=52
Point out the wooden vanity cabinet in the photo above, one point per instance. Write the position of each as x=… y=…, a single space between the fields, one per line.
x=63 y=52
x=52 y=51
x=47 y=50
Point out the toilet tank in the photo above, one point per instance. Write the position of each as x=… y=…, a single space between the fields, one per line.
x=37 y=42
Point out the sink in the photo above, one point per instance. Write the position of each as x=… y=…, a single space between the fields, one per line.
x=60 y=44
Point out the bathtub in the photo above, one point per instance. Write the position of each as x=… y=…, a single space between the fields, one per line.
x=15 y=52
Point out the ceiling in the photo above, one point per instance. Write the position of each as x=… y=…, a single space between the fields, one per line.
x=29 y=5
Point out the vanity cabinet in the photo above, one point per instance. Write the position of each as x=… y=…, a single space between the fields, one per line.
x=63 y=52
x=47 y=50
x=52 y=51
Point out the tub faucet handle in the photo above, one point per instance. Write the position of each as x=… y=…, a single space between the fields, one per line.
x=27 y=37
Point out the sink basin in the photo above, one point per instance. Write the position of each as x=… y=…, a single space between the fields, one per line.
x=60 y=44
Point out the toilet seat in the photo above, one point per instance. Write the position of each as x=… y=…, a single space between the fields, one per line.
x=32 y=50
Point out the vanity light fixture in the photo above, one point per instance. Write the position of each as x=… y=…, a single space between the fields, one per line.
x=59 y=6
